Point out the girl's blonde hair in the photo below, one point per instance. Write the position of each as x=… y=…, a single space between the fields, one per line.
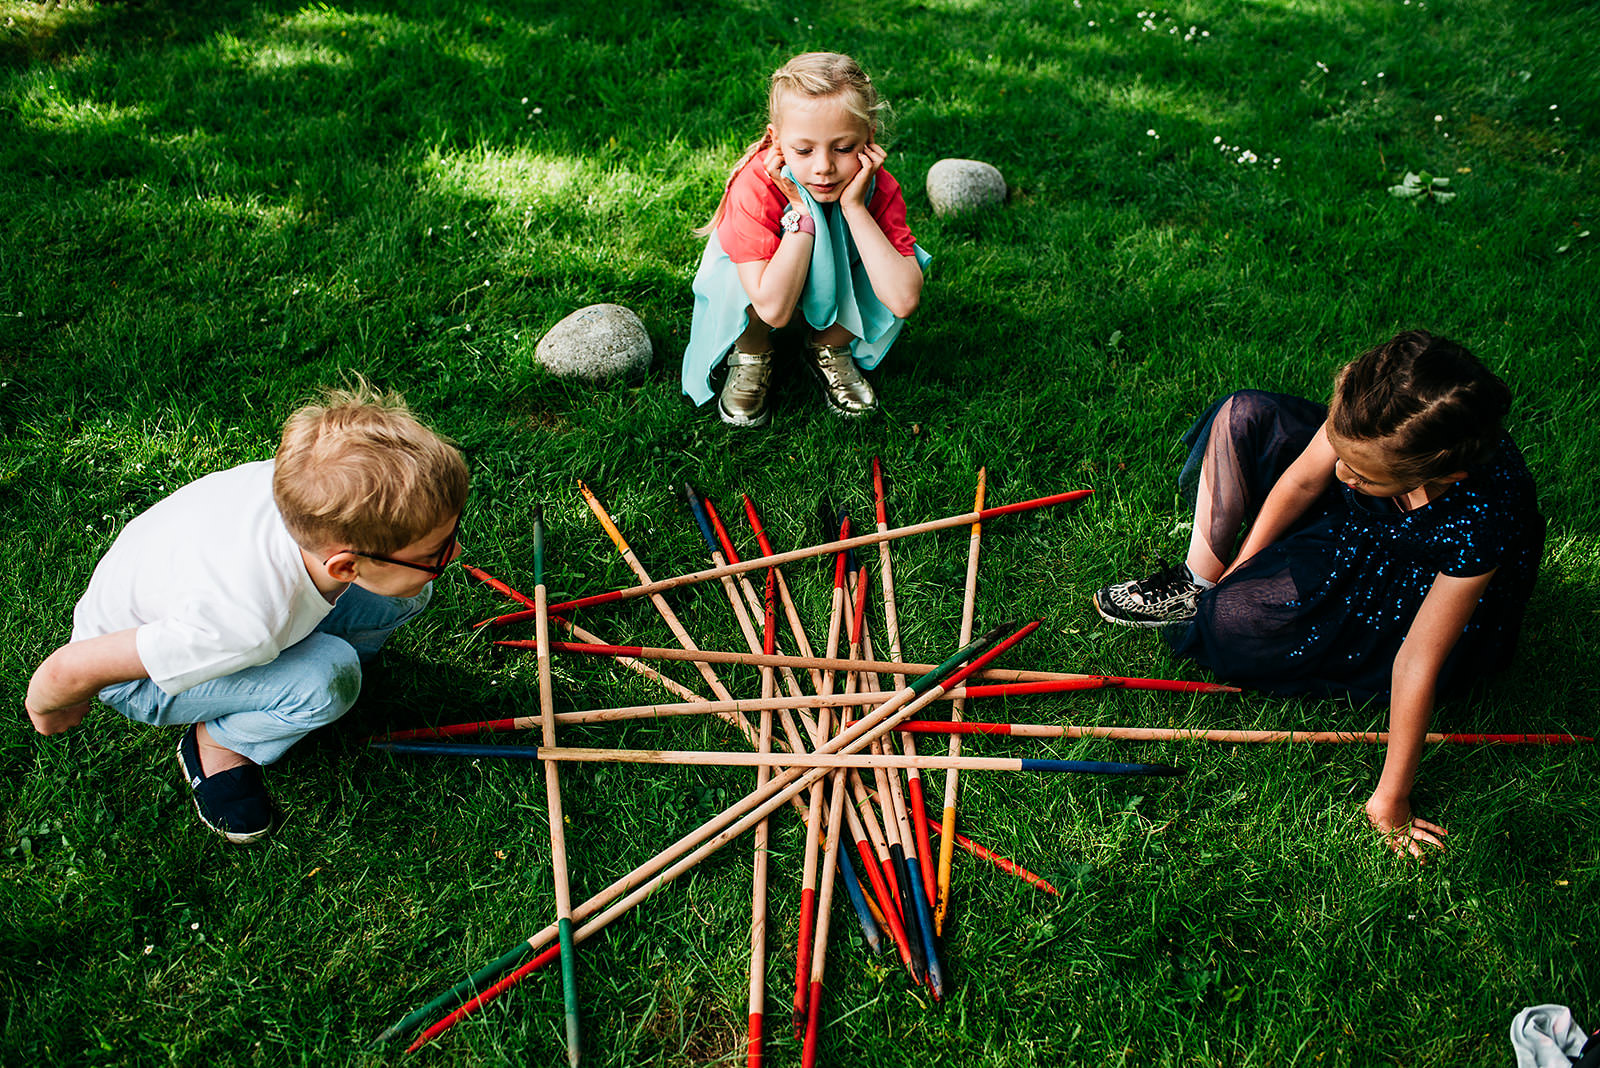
x=813 y=76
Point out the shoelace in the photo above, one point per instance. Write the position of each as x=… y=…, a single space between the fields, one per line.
x=1171 y=579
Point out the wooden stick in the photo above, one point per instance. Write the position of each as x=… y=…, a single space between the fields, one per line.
x=552 y=788
x=819 y=952
x=719 y=656
x=947 y=823
x=1198 y=734
x=808 y=878
x=727 y=759
x=792 y=555
x=758 y=891
x=891 y=615
x=695 y=846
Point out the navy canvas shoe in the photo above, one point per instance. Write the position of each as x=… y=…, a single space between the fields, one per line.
x=234 y=803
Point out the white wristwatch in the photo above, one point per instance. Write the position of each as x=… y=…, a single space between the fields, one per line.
x=796 y=220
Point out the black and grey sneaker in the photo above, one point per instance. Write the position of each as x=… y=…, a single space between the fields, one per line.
x=1168 y=596
x=234 y=803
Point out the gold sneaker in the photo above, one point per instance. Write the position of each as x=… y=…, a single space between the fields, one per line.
x=743 y=401
x=847 y=393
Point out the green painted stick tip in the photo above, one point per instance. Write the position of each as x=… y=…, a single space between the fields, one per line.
x=538 y=545
x=469 y=987
x=569 y=990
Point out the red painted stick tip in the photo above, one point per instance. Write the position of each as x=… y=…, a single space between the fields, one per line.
x=802 y=962
x=542 y=960
x=1037 y=502
x=753 y=1047
x=452 y=730
x=877 y=491
x=840 y=556
x=495 y=584
x=945 y=726
x=721 y=530
x=808 y=1052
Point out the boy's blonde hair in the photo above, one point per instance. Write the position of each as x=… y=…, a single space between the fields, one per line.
x=813 y=76
x=357 y=470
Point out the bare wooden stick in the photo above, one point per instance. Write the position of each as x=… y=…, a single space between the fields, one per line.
x=827 y=663
x=947 y=821
x=552 y=786
x=758 y=882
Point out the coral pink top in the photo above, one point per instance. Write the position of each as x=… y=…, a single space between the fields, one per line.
x=749 y=230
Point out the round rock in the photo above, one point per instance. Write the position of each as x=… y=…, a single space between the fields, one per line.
x=956 y=185
x=599 y=341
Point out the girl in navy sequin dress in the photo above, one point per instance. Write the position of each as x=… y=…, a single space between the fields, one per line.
x=1393 y=540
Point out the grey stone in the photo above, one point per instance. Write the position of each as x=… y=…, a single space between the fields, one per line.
x=599 y=341
x=956 y=185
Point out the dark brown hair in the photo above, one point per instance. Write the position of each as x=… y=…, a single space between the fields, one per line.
x=1431 y=405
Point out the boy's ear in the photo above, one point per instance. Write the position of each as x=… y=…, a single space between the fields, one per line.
x=341 y=566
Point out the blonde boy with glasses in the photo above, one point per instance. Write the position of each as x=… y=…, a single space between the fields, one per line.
x=244 y=605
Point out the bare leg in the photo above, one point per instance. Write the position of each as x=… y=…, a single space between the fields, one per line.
x=1222 y=504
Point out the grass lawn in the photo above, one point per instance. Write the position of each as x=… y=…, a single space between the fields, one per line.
x=209 y=210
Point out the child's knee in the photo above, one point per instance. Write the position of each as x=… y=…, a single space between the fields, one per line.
x=328 y=684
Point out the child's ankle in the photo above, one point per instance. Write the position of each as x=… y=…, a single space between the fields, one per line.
x=214 y=758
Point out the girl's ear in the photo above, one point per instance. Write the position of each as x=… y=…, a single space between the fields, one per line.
x=771 y=137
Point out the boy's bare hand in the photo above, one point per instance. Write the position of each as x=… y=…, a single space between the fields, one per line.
x=1405 y=832
x=57 y=720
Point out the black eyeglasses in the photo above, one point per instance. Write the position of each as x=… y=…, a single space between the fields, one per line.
x=434 y=569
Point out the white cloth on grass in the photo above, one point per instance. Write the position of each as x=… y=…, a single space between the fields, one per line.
x=211 y=578
x=1546 y=1036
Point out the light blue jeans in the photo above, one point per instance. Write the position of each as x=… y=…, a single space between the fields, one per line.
x=261 y=711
